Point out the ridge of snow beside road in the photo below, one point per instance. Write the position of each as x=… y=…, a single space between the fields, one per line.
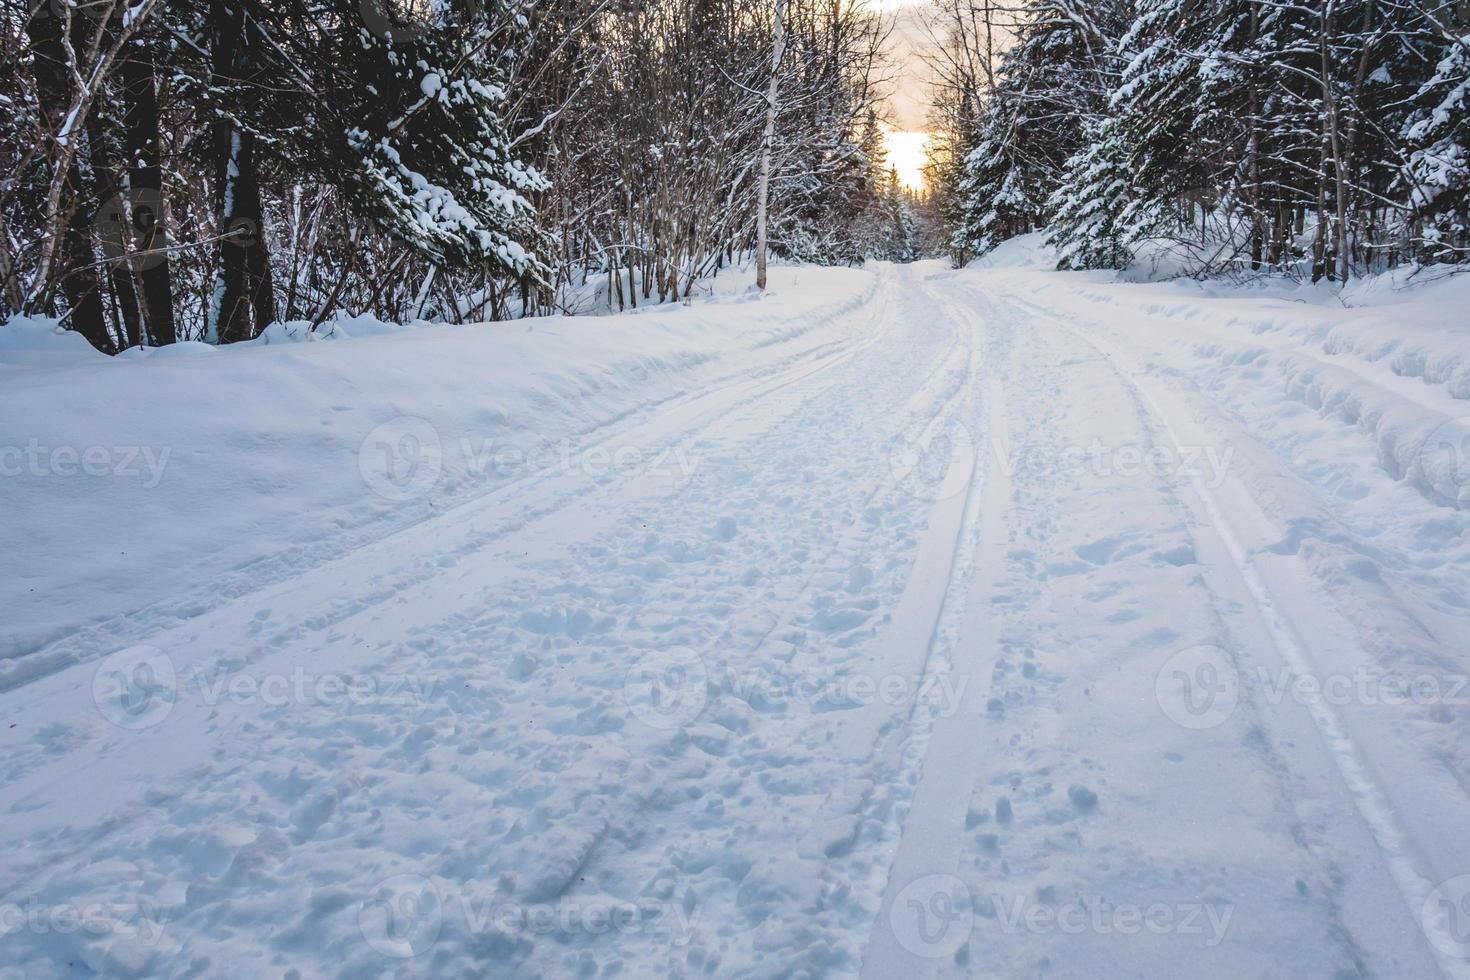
x=167 y=483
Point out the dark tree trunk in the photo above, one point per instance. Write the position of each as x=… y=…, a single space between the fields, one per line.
x=145 y=180
x=110 y=221
x=77 y=272
x=243 y=302
x=120 y=208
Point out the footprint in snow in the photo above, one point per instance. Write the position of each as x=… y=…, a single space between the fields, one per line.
x=1084 y=799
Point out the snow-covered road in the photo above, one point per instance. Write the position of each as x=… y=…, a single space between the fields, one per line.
x=993 y=623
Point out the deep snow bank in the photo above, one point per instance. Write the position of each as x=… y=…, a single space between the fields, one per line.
x=1389 y=354
x=1348 y=352
x=1029 y=251
x=193 y=473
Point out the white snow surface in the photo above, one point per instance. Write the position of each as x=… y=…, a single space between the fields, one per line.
x=898 y=623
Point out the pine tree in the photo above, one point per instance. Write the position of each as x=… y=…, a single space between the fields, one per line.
x=995 y=188
x=1096 y=212
x=1136 y=157
x=427 y=153
x=903 y=237
x=1437 y=174
x=377 y=155
x=1053 y=88
x=400 y=118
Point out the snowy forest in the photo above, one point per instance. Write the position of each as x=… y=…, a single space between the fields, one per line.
x=766 y=489
x=198 y=171
x=1326 y=139
x=183 y=170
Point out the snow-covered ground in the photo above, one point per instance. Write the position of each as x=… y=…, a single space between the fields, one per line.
x=900 y=623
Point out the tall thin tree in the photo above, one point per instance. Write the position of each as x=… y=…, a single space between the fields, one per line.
x=773 y=90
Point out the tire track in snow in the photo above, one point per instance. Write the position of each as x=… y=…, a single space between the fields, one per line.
x=773 y=426
x=262 y=581
x=850 y=536
x=919 y=802
x=1367 y=394
x=274 y=576
x=410 y=558
x=934 y=828
x=1370 y=800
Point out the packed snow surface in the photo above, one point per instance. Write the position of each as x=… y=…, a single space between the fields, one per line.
x=898 y=623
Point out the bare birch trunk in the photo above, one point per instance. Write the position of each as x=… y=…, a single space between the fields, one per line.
x=778 y=51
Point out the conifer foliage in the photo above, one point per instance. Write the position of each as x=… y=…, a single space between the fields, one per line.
x=1326 y=139
x=186 y=170
x=428 y=154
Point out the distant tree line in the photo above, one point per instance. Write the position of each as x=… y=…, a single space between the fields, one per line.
x=1325 y=139
x=657 y=116
x=201 y=169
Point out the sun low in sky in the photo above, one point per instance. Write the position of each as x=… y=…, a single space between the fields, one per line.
x=907 y=153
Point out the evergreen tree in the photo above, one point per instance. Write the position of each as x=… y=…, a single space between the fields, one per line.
x=400 y=117
x=996 y=190
x=1137 y=156
x=1096 y=212
x=1053 y=85
x=1437 y=173
x=903 y=235
x=428 y=157
x=1320 y=137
